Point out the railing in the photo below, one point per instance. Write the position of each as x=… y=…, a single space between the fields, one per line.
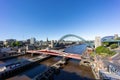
x=58 y=53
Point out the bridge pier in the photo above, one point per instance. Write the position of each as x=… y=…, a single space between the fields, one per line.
x=85 y=62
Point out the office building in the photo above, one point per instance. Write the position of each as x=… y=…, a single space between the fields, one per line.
x=32 y=41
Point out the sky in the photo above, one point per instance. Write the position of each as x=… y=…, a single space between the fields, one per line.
x=23 y=19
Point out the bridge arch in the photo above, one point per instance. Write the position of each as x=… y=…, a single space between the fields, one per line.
x=72 y=35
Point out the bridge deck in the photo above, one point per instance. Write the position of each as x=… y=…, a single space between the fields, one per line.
x=56 y=53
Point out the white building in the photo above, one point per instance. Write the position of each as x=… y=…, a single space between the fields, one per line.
x=115 y=36
x=97 y=41
x=32 y=41
x=52 y=44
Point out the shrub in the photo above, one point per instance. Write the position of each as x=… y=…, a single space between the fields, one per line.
x=113 y=46
x=101 y=50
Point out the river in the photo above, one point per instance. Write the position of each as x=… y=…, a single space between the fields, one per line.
x=71 y=71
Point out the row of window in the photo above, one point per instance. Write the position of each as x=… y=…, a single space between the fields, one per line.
x=112 y=69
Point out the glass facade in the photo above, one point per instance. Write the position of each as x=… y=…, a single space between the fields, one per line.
x=107 y=38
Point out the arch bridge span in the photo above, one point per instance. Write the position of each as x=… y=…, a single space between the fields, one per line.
x=72 y=35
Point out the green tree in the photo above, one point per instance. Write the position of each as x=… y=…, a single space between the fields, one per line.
x=13 y=44
x=118 y=38
x=17 y=43
x=105 y=43
x=113 y=46
x=104 y=51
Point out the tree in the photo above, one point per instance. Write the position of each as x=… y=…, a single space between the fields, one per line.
x=113 y=46
x=13 y=44
x=102 y=50
x=105 y=43
x=17 y=43
x=118 y=38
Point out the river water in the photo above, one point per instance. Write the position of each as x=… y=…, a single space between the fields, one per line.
x=78 y=49
x=71 y=71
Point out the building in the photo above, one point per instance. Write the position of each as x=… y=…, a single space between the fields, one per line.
x=111 y=39
x=40 y=43
x=32 y=41
x=52 y=43
x=1 y=44
x=114 y=64
x=28 y=41
x=97 y=41
x=9 y=41
x=115 y=36
x=47 y=40
x=30 y=47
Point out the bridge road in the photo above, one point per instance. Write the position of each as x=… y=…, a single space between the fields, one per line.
x=56 y=53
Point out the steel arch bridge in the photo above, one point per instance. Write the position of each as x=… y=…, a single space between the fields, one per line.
x=72 y=35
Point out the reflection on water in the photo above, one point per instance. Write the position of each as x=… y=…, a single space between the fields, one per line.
x=73 y=71
x=78 y=49
x=42 y=66
x=34 y=71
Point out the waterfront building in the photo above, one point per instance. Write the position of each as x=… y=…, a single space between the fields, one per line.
x=108 y=68
x=111 y=39
x=97 y=41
